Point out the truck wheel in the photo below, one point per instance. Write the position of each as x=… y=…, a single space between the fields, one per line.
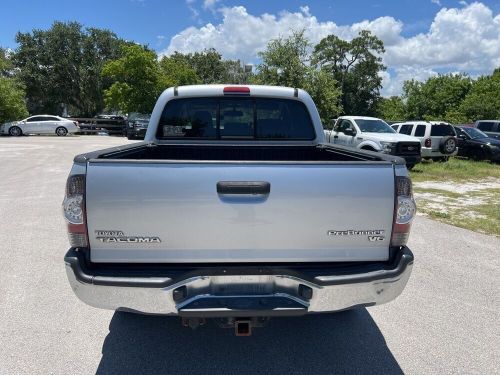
x=61 y=131
x=15 y=131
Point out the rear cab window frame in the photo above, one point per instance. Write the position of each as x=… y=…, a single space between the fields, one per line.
x=251 y=136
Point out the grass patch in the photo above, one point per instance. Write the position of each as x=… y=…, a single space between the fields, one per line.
x=482 y=218
x=454 y=169
x=470 y=206
x=439 y=214
x=446 y=193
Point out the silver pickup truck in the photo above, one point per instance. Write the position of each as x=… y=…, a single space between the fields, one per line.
x=235 y=208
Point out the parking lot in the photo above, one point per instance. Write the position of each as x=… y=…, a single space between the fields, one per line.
x=446 y=321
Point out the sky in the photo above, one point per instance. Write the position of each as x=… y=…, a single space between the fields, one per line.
x=422 y=37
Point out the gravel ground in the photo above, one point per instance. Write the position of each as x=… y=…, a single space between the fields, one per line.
x=446 y=322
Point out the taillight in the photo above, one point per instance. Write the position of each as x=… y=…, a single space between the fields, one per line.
x=74 y=210
x=404 y=211
x=428 y=142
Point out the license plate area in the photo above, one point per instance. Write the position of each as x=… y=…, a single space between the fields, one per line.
x=234 y=292
x=248 y=306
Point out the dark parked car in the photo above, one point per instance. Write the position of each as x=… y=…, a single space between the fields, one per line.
x=490 y=127
x=137 y=124
x=475 y=144
x=113 y=124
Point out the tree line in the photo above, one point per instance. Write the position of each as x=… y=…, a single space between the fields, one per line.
x=84 y=71
x=455 y=98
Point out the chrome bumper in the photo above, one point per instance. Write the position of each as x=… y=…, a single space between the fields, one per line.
x=238 y=291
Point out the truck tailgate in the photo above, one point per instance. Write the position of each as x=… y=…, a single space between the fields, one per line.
x=164 y=212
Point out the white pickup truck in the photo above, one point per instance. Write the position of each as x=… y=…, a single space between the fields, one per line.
x=373 y=134
x=235 y=208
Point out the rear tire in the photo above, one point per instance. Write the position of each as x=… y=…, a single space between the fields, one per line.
x=15 y=131
x=61 y=131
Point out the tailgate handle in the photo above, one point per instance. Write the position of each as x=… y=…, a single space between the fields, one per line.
x=244 y=187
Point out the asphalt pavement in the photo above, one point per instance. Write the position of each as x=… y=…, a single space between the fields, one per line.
x=447 y=321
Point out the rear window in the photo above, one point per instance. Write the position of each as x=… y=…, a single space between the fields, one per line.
x=236 y=118
x=420 y=131
x=442 y=130
x=406 y=129
x=485 y=126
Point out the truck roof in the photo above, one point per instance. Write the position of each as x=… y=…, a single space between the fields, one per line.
x=257 y=90
x=359 y=118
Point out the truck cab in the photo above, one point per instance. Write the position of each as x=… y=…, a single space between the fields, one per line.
x=374 y=134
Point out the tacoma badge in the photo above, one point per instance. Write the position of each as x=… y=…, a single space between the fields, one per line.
x=118 y=236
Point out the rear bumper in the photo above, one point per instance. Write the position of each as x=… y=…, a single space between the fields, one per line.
x=430 y=153
x=256 y=290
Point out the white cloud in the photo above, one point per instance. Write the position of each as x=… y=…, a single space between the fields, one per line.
x=437 y=2
x=209 y=4
x=160 y=39
x=241 y=35
x=465 y=39
x=195 y=14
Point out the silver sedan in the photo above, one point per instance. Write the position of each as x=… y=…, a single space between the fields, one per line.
x=40 y=124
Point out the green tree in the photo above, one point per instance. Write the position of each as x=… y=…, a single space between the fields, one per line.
x=356 y=66
x=12 y=103
x=392 y=109
x=483 y=100
x=6 y=65
x=325 y=92
x=416 y=102
x=137 y=80
x=61 y=67
x=285 y=63
x=178 y=72
x=12 y=95
x=208 y=65
x=438 y=98
x=234 y=72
